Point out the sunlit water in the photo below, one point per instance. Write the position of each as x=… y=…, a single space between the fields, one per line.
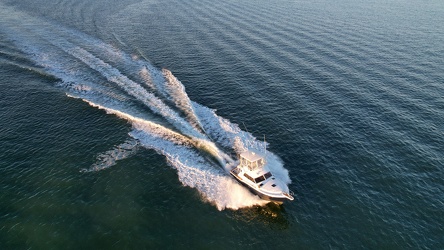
x=119 y=122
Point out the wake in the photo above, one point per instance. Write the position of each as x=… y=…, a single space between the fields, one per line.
x=193 y=138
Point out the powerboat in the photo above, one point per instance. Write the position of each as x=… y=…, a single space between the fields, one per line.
x=253 y=173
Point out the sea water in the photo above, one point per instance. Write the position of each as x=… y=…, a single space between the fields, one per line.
x=119 y=121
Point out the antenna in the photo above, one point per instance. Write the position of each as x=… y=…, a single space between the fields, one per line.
x=265 y=146
x=247 y=140
x=245 y=127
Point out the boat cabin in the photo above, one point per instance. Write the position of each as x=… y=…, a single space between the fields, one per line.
x=251 y=160
x=253 y=173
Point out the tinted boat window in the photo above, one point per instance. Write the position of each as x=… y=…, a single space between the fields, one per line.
x=260 y=163
x=268 y=175
x=259 y=179
x=243 y=162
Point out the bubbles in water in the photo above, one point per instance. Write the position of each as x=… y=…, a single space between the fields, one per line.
x=155 y=103
x=110 y=157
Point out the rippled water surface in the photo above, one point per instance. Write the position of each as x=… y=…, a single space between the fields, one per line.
x=118 y=117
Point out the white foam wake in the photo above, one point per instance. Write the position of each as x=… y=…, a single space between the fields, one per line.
x=229 y=135
x=193 y=169
x=110 y=79
x=134 y=89
x=176 y=92
x=110 y=157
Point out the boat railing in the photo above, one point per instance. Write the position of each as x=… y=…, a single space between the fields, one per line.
x=289 y=196
x=235 y=171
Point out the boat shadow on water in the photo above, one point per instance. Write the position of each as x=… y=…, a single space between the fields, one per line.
x=270 y=214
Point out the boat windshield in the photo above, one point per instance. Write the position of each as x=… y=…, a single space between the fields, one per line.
x=263 y=177
x=259 y=179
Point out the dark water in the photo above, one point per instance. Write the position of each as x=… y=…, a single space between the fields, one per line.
x=94 y=136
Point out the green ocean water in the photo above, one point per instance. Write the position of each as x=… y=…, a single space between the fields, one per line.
x=93 y=134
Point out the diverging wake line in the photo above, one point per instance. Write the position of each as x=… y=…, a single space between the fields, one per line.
x=192 y=137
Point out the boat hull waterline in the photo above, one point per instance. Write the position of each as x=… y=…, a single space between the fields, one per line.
x=263 y=196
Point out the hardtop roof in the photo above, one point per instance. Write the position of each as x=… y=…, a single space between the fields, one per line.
x=251 y=156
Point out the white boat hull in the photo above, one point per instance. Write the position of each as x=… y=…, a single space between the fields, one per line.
x=274 y=198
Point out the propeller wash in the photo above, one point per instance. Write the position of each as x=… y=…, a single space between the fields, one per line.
x=153 y=101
